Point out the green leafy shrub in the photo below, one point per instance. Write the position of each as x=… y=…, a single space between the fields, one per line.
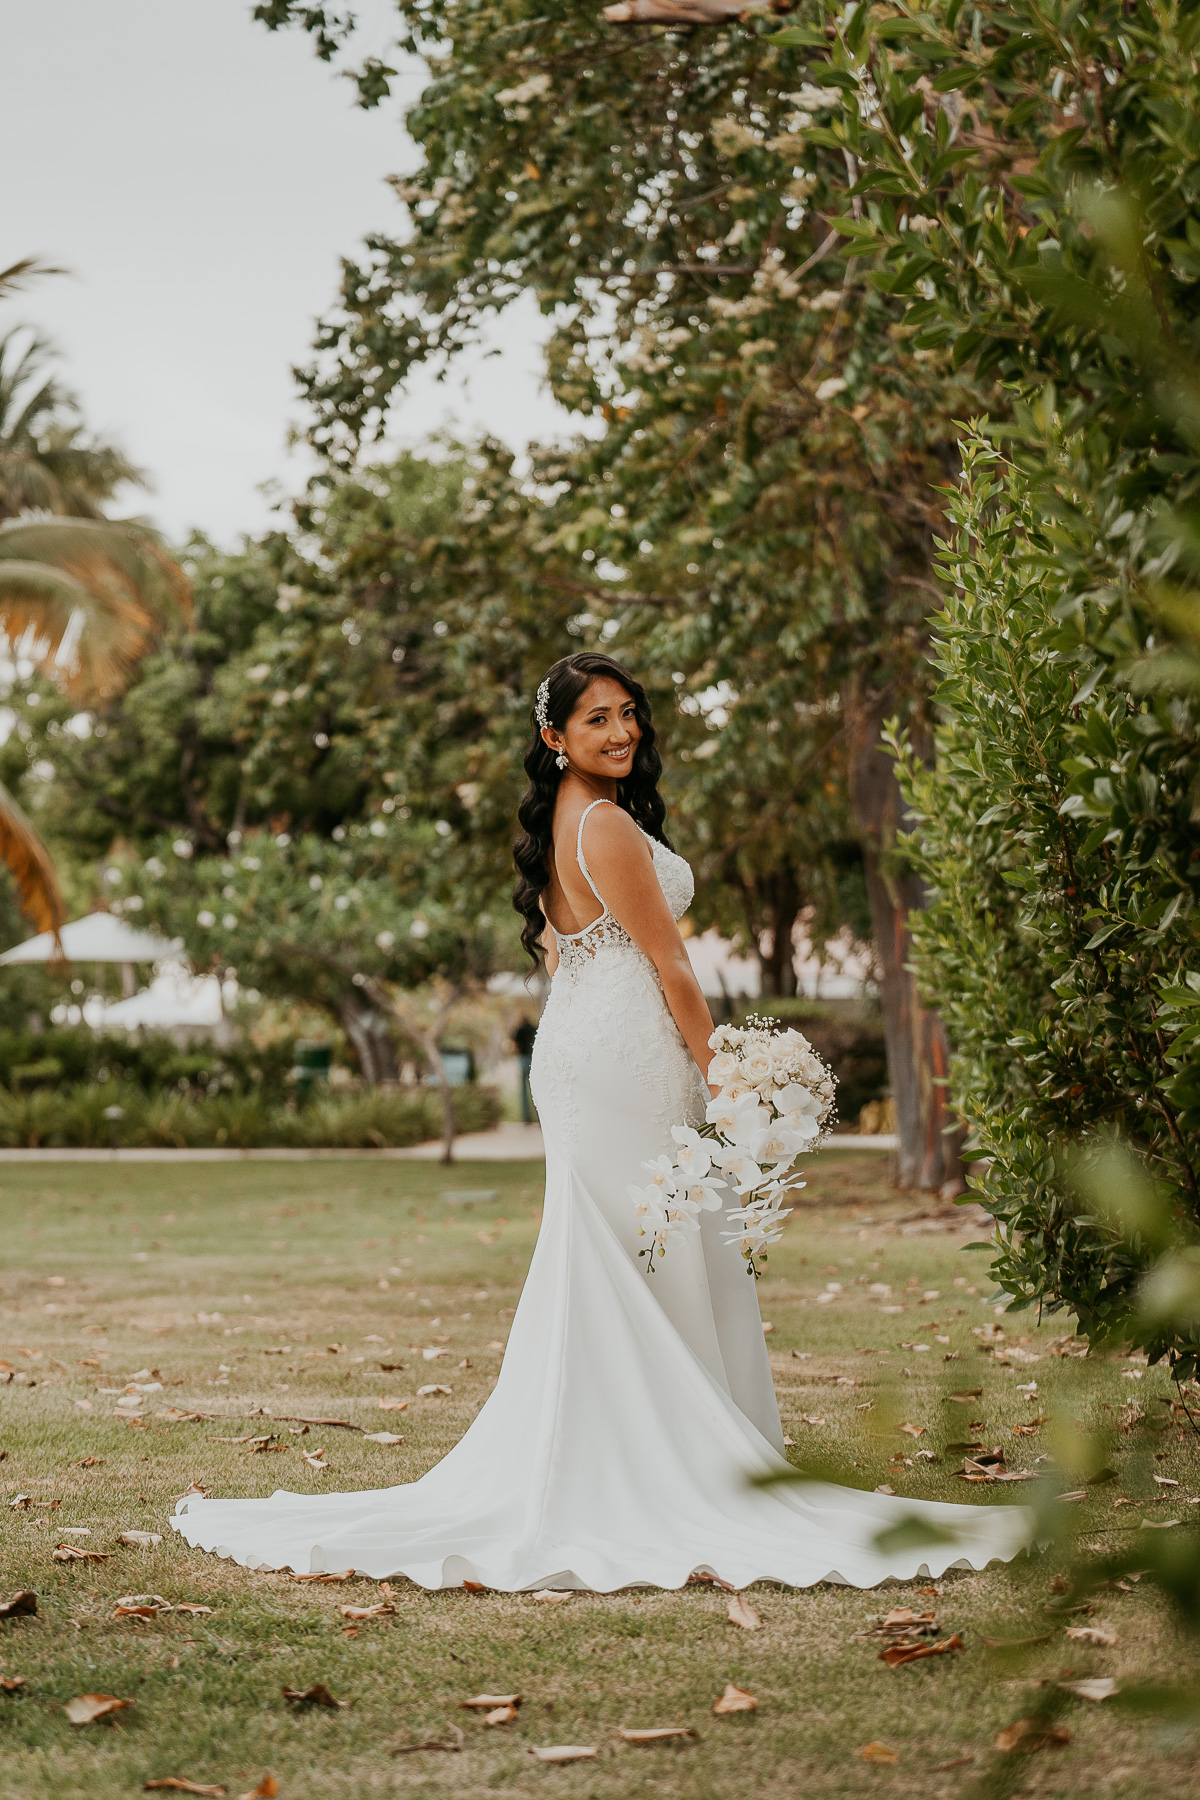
x=74 y=1117
x=1057 y=834
x=153 y=1063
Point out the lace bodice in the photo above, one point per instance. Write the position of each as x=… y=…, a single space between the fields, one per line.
x=577 y=949
x=607 y=1019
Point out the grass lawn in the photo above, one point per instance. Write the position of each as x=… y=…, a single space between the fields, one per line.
x=286 y=1286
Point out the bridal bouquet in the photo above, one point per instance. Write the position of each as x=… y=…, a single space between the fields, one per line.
x=776 y=1101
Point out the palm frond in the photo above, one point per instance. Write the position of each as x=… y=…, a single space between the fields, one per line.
x=89 y=596
x=49 y=462
x=29 y=863
x=18 y=273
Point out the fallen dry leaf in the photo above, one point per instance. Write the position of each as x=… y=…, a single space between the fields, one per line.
x=393 y=1405
x=316 y=1695
x=191 y=1606
x=904 y=1619
x=66 y=1553
x=735 y=1700
x=315 y=1459
x=1025 y=1643
x=11 y=1684
x=138 y=1612
x=431 y=1388
x=896 y=1655
x=19 y=1606
x=500 y=1715
x=300 y=1419
x=140 y=1540
x=474 y=1587
x=915 y=1431
x=487 y=1702
x=267 y=1789
x=967 y=1397
x=1030 y=1735
x=86 y=1707
x=331 y=1575
x=1095 y=1687
x=740 y=1612
x=382 y=1437
x=378 y=1611
x=177 y=1785
x=956 y=1762
x=460 y=1739
x=658 y=1734
x=1097 y=1635
x=878 y=1753
x=563 y=1753
x=551 y=1596
x=705 y=1578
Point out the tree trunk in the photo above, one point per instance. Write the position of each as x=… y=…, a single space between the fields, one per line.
x=779 y=900
x=930 y=1152
x=366 y=1030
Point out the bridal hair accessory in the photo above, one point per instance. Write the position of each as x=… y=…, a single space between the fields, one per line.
x=541 y=712
x=776 y=1101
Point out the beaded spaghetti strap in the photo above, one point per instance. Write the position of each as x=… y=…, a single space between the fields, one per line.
x=579 y=857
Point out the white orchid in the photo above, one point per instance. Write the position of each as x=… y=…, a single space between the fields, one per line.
x=798 y=1100
x=649 y=1207
x=784 y=1140
x=705 y=1196
x=662 y=1174
x=683 y=1212
x=751 y=1118
x=693 y=1156
x=775 y=1102
x=742 y=1169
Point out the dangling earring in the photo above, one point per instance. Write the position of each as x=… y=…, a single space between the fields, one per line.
x=561 y=759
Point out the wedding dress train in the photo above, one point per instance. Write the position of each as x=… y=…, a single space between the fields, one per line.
x=634 y=1416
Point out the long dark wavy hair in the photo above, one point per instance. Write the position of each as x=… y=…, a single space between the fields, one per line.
x=638 y=794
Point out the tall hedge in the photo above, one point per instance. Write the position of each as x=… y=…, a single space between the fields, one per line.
x=1058 y=836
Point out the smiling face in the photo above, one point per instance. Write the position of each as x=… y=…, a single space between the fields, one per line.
x=602 y=734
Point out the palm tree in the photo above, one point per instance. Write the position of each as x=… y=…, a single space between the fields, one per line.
x=47 y=461
x=82 y=596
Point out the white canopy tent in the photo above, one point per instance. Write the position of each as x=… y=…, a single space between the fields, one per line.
x=174 y=999
x=100 y=937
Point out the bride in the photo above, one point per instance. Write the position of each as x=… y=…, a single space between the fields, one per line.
x=634 y=1419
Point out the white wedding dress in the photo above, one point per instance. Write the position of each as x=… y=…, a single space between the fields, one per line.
x=633 y=1413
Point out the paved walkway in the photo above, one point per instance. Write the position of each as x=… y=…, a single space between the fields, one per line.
x=509 y=1142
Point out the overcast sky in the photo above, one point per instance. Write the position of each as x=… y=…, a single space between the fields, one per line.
x=200 y=178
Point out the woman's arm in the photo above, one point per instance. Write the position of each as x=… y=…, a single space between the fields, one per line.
x=622 y=868
x=549 y=944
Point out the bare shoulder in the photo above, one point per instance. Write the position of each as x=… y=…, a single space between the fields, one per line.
x=611 y=838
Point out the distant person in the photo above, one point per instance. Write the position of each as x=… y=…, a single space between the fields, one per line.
x=523 y=1038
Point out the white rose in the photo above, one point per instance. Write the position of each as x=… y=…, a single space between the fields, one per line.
x=756 y=1066
x=722 y=1067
